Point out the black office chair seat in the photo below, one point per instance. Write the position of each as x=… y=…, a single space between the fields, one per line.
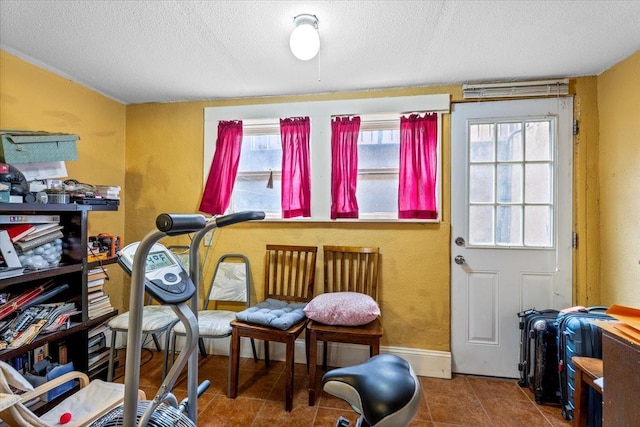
x=384 y=390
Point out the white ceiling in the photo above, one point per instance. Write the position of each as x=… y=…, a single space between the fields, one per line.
x=161 y=51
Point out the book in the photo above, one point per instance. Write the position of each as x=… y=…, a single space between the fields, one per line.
x=95 y=295
x=41 y=231
x=100 y=312
x=8 y=252
x=39 y=241
x=100 y=301
x=18 y=231
x=97 y=273
x=94 y=283
x=95 y=359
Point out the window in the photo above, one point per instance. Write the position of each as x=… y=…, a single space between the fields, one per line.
x=260 y=161
x=378 y=157
x=378 y=152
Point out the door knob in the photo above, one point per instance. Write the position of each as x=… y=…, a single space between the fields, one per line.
x=459 y=259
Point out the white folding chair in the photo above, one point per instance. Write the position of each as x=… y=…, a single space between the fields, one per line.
x=231 y=283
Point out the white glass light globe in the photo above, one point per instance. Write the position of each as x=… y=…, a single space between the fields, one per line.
x=304 y=42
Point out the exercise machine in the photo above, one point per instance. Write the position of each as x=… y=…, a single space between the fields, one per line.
x=156 y=269
x=384 y=390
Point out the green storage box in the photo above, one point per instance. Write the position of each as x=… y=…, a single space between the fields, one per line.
x=37 y=147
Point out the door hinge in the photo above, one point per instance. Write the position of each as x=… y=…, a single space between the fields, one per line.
x=574 y=240
x=576 y=127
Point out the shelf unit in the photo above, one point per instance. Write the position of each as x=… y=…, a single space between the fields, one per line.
x=72 y=271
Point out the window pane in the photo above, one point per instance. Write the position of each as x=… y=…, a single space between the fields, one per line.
x=509 y=183
x=509 y=142
x=508 y=227
x=260 y=153
x=481 y=225
x=537 y=226
x=251 y=193
x=377 y=194
x=538 y=179
x=538 y=141
x=378 y=158
x=481 y=148
x=378 y=155
x=481 y=184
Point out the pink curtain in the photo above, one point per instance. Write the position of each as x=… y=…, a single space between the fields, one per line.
x=296 y=176
x=222 y=176
x=418 y=167
x=344 y=166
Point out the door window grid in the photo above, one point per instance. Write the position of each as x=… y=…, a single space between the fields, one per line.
x=510 y=182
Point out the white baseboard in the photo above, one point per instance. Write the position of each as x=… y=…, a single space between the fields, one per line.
x=427 y=363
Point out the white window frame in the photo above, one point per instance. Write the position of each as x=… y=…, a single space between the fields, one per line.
x=320 y=113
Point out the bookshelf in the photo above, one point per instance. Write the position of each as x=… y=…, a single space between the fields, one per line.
x=71 y=341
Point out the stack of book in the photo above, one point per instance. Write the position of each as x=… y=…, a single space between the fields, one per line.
x=99 y=302
x=98 y=350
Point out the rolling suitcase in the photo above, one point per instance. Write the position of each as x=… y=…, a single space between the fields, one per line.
x=538 y=364
x=578 y=336
x=545 y=384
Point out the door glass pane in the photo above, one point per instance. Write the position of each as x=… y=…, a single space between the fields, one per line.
x=509 y=183
x=538 y=179
x=509 y=225
x=481 y=184
x=509 y=142
x=537 y=226
x=481 y=138
x=481 y=225
x=538 y=141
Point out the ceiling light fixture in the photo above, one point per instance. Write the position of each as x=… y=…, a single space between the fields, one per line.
x=305 y=39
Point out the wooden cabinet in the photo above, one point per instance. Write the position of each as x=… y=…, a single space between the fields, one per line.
x=621 y=396
x=72 y=271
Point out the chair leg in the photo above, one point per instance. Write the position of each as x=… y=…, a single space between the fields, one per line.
x=113 y=349
x=234 y=365
x=156 y=342
x=266 y=354
x=173 y=348
x=290 y=357
x=203 y=349
x=312 y=352
x=324 y=355
x=166 y=353
x=253 y=348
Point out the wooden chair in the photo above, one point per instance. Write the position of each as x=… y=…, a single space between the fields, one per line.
x=346 y=269
x=289 y=276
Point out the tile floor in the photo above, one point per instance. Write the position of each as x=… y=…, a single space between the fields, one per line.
x=461 y=401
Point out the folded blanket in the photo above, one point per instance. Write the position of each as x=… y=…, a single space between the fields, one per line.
x=274 y=314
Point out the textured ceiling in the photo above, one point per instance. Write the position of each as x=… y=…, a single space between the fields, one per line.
x=161 y=51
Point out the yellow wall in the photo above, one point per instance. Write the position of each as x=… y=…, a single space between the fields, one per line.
x=163 y=172
x=619 y=108
x=34 y=99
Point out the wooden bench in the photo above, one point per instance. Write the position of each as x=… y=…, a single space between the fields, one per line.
x=588 y=369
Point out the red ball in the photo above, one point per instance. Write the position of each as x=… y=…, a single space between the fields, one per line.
x=65 y=418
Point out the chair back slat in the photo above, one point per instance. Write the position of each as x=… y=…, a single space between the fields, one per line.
x=290 y=272
x=351 y=269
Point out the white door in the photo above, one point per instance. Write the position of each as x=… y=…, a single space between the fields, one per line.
x=511 y=246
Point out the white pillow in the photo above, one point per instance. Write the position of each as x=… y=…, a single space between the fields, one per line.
x=343 y=308
x=13 y=378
